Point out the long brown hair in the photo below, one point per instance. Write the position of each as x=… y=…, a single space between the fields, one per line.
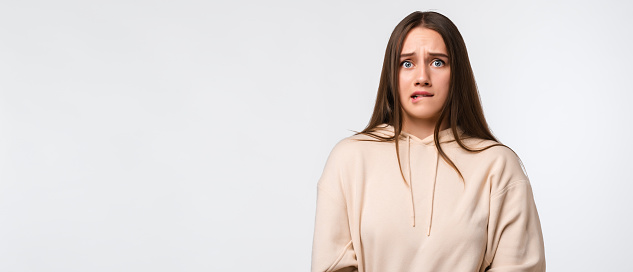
x=462 y=107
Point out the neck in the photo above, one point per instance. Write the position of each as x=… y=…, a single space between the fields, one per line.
x=421 y=128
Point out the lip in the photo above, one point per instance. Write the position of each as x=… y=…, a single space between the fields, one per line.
x=421 y=94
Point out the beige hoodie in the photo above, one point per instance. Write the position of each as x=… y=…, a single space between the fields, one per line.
x=369 y=219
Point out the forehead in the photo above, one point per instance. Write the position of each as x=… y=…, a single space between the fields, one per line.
x=424 y=39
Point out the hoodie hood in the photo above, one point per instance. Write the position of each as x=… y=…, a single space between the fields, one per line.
x=405 y=142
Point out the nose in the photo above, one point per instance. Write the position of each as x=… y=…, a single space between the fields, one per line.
x=423 y=77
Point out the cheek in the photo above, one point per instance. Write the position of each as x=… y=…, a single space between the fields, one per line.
x=402 y=79
x=402 y=83
x=443 y=83
x=446 y=80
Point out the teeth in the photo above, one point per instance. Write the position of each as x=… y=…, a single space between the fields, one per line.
x=419 y=95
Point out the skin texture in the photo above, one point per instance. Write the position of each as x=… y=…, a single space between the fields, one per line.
x=422 y=69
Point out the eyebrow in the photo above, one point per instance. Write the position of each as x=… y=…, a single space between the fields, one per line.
x=432 y=54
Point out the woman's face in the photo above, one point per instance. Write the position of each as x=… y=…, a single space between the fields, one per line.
x=424 y=76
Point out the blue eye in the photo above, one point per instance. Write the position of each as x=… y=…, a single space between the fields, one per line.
x=438 y=63
x=407 y=64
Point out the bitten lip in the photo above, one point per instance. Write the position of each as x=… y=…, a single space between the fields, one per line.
x=421 y=93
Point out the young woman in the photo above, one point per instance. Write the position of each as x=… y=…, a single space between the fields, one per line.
x=426 y=186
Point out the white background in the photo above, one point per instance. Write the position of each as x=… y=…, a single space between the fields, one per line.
x=189 y=135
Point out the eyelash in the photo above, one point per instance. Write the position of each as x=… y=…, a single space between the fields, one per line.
x=441 y=61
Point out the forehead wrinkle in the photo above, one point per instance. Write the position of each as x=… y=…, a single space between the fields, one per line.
x=424 y=40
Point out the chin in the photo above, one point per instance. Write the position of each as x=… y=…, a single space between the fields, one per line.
x=423 y=116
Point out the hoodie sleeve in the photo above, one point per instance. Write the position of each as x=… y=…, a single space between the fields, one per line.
x=515 y=240
x=332 y=248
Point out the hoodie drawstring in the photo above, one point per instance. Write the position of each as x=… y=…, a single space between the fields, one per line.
x=409 y=177
x=437 y=160
x=410 y=181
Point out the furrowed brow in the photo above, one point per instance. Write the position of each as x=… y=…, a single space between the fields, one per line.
x=404 y=55
x=438 y=55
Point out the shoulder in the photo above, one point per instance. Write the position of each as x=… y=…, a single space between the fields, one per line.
x=507 y=169
x=499 y=152
x=491 y=150
x=354 y=151
x=343 y=162
x=358 y=144
x=503 y=166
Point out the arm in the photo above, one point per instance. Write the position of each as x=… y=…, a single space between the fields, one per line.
x=515 y=240
x=332 y=248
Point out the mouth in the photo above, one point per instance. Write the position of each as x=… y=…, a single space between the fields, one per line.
x=419 y=95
